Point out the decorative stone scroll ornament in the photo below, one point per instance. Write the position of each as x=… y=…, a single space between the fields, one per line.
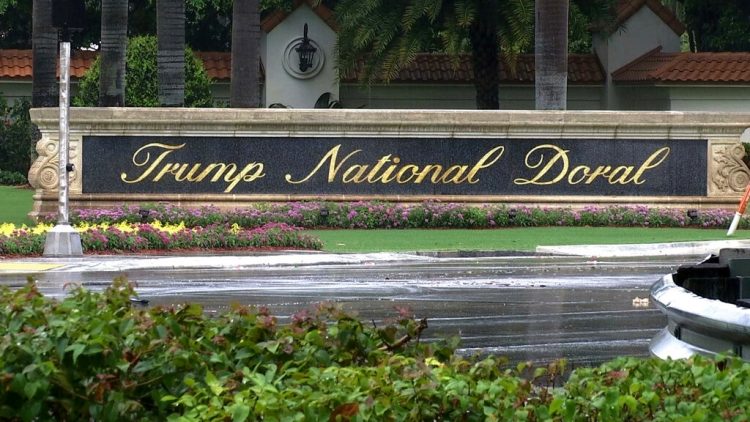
x=44 y=172
x=730 y=175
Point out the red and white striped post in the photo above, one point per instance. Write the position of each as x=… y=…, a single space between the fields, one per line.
x=740 y=211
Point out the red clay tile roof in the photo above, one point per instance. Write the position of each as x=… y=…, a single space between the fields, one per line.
x=80 y=61
x=627 y=8
x=218 y=65
x=439 y=68
x=436 y=68
x=17 y=64
x=275 y=18
x=676 y=68
x=653 y=67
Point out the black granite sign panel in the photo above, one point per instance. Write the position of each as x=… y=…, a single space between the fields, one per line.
x=393 y=166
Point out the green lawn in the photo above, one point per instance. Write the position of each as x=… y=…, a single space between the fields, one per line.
x=520 y=239
x=16 y=203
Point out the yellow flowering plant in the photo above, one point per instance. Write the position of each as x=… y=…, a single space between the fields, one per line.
x=126 y=236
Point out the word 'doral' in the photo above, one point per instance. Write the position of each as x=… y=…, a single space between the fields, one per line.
x=544 y=164
x=549 y=173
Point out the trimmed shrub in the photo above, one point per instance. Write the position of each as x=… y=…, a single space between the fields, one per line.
x=141 y=85
x=15 y=142
x=12 y=178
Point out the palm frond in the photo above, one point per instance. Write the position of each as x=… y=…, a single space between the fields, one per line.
x=466 y=13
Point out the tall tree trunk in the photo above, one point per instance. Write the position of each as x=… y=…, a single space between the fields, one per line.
x=112 y=56
x=44 y=91
x=551 y=54
x=485 y=50
x=170 y=57
x=244 y=91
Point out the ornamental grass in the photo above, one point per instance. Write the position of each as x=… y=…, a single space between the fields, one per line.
x=123 y=236
x=382 y=215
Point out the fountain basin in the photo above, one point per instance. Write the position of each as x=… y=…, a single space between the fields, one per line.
x=706 y=307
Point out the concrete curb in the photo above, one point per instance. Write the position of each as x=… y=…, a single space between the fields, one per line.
x=120 y=263
x=646 y=249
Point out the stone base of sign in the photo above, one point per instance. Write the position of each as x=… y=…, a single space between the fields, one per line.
x=63 y=241
x=725 y=174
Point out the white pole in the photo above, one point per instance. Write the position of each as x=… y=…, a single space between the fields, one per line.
x=63 y=240
x=62 y=210
x=735 y=223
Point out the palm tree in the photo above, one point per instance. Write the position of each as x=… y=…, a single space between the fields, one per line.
x=383 y=36
x=170 y=58
x=551 y=54
x=114 y=43
x=244 y=91
x=44 y=92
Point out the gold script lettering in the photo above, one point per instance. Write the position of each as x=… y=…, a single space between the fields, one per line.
x=333 y=168
x=559 y=154
x=388 y=169
x=621 y=175
x=142 y=158
x=147 y=157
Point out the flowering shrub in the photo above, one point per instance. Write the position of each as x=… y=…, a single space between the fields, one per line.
x=94 y=356
x=378 y=215
x=131 y=237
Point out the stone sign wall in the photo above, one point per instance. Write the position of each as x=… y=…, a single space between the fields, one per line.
x=230 y=157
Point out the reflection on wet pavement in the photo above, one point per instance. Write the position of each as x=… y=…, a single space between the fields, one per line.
x=529 y=308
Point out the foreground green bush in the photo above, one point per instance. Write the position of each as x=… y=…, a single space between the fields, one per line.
x=93 y=356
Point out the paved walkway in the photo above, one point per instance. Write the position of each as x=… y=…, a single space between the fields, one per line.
x=300 y=258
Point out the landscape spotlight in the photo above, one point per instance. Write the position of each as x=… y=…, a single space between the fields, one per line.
x=324 y=213
x=511 y=215
x=144 y=215
x=692 y=214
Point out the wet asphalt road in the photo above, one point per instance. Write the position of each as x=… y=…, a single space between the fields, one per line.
x=525 y=308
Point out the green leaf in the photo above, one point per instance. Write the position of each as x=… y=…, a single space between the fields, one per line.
x=162 y=331
x=214 y=384
x=240 y=412
x=30 y=389
x=77 y=349
x=635 y=387
x=556 y=405
x=629 y=401
x=272 y=346
x=144 y=365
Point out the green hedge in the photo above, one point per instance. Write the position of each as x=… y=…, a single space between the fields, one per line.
x=94 y=356
x=141 y=84
x=16 y=148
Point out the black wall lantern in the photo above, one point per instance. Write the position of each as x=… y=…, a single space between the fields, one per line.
x=306 y=52
x=68 y=16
